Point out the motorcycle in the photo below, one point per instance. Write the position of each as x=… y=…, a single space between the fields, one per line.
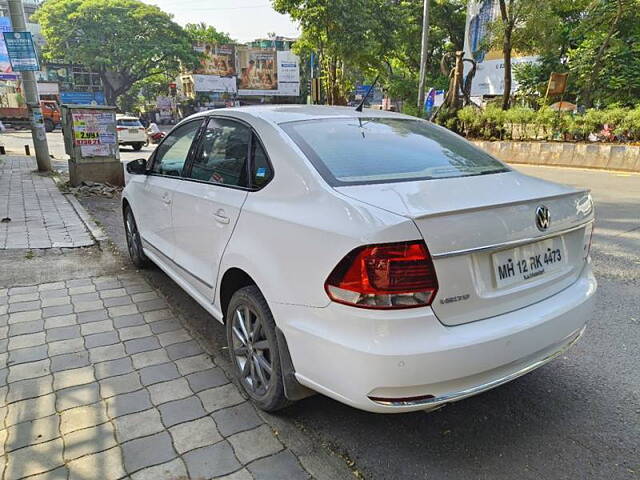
x=155 y=137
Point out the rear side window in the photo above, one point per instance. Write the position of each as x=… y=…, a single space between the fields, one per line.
x=351 y=151
x=223 y=153
x=261 y=172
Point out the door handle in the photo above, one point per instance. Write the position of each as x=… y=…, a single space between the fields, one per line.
x=221 y=217
x=166 y=199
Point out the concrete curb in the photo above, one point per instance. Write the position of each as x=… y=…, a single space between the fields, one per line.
x=599 y=156
x=96 y=232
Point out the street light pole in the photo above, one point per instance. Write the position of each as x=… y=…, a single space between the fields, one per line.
x=38 y=133
x=423 y=55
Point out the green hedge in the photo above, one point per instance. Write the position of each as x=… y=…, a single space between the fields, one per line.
x=521 y=123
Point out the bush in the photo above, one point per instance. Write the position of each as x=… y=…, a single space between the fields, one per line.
x=522 y=123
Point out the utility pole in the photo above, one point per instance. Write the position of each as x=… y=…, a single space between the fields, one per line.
x=423 y=55
x=38 y=133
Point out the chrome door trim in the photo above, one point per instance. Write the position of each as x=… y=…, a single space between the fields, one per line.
x=510 y=244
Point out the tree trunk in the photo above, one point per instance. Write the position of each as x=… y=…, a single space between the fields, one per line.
x=508 y=24
x=506 y=95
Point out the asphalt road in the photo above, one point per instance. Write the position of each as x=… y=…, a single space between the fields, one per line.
x=15 y=141
x=575 y=418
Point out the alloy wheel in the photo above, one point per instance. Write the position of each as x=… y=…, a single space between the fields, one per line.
x=251 y=351
x=132 y=237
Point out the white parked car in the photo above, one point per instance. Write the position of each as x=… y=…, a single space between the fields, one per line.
x=372 y=257
x=131 y=132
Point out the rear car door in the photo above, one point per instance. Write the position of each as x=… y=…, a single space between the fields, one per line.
x=153 y=196
x=207 y=205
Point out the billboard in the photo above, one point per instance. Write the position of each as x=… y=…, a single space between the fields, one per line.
x=218 y=60
x=288 y=73
x=6 y=72
x=214 y=83
x=489 y=77
x=258 y=71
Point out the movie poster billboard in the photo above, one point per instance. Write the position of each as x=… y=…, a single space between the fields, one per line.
x=218 y=60
x=489 y=77
x=257 y=69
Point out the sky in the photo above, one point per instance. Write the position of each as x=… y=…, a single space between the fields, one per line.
x=243 y=20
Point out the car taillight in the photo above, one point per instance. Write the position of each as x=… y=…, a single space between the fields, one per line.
x=120 y=128
x=392 y=275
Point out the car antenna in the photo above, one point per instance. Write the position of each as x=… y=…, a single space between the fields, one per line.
x=359 y=107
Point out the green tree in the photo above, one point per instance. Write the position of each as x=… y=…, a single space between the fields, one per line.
x=345 y=34
x=605 y=56
x=358 y=39
x=125 y=41
x=203 y=33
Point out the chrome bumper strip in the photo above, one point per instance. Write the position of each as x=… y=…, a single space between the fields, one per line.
x=455 y=396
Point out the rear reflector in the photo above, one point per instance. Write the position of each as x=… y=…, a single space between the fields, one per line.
x=392 y=275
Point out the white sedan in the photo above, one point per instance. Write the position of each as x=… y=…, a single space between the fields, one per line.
x=131 y=132
x=373 y=257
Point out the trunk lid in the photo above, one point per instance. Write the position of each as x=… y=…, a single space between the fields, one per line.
x=489 y=254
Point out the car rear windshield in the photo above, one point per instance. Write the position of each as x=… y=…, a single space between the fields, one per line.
x=351 y=151
x=129 y=122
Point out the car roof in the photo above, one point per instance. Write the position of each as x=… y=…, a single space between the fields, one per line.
x=126 y=117
x=291 y=113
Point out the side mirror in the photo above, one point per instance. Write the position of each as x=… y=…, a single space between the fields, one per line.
x=137 y=167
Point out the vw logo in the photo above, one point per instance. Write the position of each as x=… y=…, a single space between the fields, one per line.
x=543 y=218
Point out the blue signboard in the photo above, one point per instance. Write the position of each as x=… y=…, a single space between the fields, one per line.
x=21 y=50
x=82 y=98
x=363 y=89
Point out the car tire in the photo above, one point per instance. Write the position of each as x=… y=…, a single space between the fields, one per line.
x=137 y=146
x=49 y=126
x=253 y=349
x=134 y=244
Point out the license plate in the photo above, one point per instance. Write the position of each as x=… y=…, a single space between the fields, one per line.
x=528 y=262
x=133 y=130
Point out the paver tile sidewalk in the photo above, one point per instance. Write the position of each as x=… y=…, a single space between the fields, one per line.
x=99 y=380
x=36 y=214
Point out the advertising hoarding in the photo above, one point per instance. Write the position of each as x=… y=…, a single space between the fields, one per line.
x=21 y=50
x=6 y=72
x=258 y=71
x=218 y=60
x=214 y=83
x=489 y=77
x=288 y=73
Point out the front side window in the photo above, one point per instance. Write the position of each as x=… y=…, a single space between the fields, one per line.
x=174 y=150
x=351 y=151
x=223 y=153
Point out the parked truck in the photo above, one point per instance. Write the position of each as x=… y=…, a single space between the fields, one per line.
x=17 y=117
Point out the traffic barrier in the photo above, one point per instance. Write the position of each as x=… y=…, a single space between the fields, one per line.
x=579 y=155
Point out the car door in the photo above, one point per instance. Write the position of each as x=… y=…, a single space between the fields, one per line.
x=154 y=193
x=207 y=205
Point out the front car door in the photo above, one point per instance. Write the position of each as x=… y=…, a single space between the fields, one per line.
x=207 y=205
x=153 y=193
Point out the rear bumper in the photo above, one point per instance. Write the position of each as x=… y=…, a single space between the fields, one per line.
x=352 y=354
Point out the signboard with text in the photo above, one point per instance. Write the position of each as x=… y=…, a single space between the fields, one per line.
x=22 y=52
x=93 y=132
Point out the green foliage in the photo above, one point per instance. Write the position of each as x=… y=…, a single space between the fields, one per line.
x=522 y=123
x=203 y=33
x=126 y=41
x=358 y=39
